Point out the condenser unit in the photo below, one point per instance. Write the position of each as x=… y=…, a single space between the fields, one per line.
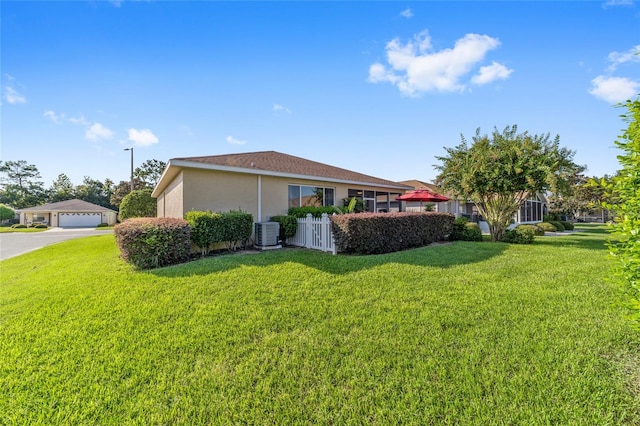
x=267 y=235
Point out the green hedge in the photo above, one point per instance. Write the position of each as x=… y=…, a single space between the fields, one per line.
x=302 y=212
x=463 y=230
x=288 y=226
x=519 y=235
x=547 y=226
x=537 y=230
x=153 y=242
x=558 y=225
x=568 y=226
x=372 y=233
x=231 y=228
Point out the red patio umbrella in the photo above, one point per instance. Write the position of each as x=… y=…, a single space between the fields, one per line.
x=423 y=195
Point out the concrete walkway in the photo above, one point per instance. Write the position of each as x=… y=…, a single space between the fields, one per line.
x=16 y=243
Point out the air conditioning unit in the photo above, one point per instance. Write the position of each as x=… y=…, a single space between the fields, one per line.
x=267 y=235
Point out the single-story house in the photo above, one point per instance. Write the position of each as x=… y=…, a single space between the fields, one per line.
x=266 y=184
x=532 y=210
x=69 y=213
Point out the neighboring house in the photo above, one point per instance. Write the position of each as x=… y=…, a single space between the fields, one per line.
x=532 y=210
x=455 y=206
x=70 y=213
x=266 y=184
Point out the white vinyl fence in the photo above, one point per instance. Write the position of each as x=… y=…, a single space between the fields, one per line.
x=314 y=234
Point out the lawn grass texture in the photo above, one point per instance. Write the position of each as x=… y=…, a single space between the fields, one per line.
x=460 y=333
x=8 y=229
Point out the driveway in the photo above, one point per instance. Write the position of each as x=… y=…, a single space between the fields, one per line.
x=16 y=243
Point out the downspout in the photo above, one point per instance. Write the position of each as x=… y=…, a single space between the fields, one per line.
x=259 y=219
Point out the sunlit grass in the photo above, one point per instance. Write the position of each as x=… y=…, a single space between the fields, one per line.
x=7 y=229
x=461 y=333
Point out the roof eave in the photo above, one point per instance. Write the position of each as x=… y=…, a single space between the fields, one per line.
x=168 y=176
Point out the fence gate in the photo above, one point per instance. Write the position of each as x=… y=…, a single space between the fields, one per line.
x=314 y=233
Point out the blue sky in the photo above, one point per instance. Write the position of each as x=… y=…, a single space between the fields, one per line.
x=376 y=87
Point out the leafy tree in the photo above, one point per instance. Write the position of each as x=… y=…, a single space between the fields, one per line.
x=626 y=186
x=500 y=171
x=586 y=195
x=149 y=173
x=124 y=188
x=20 y=187
x=62 y=189
x=6 y=213
x=138 y=203
x=96 y=192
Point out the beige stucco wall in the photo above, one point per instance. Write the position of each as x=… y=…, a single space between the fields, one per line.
x=219 y=191
x=170 y=202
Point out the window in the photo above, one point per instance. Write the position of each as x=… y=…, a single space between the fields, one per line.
x=301 y=196
x=376 y=201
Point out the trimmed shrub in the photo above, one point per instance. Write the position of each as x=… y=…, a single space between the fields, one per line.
x=103 y=225
x=40 y=226
x=537 y=231
x=205 y=229
x=568 y=226
x=153 y=242
x=302 y=212
x=237 y=228
x=232 y=228
x=463 y=230
x=18 y=226
x=288 y=226
x=546 y=226
x=559 y=227
x=519 y=235
x=373 y=233
x=138 y=203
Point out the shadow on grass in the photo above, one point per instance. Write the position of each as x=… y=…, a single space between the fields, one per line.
x=443 y=256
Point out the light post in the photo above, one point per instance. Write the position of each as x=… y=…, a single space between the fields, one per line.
x=131 y=149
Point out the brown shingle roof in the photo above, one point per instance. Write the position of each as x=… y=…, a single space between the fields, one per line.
x=276 y=162
x=418 y=184
x=74 y=205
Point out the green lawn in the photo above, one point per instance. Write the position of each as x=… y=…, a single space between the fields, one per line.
x=461 y=334
x=5 y=229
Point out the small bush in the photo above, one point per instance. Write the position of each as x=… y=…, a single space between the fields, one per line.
x=153 y=242
x=547 y=226
x=288 y=226
x=463 y=230
x=568 y=226
x=559 y=227
x=302 y=212
x=537 y=230
x=205 y=229
x=40 y=226
x=519 y=235
x=138 y=203
x=103 y=225
x=18 y=226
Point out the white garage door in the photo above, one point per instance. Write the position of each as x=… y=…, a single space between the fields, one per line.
x=79 y=219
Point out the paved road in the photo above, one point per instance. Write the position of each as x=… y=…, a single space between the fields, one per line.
x=16 y=243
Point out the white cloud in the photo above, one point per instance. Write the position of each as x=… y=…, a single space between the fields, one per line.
x=79 y=120
x=280 y=108
x=617 y=58
x=491 y=73
x=234 y=141
x=611 y=3
x=142 y=137
x=614 y=89
x=407 y=13
x=415 y=67
x=98 y=132
x=53 y=116
x=12 y=96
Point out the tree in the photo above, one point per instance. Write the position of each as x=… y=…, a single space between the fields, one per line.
x=626 y=186
x=149 y=172
x=20 y=187
x=96 y=192
x=138 y=203
x=62 y=189
x=124 y=188
x=500 y=171
x=585 y=197
x=6 y=213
